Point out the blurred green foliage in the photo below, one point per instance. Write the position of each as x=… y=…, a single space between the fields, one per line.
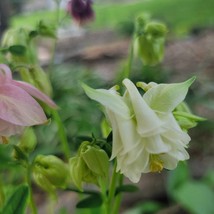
x=180 y=15
x=80 y=116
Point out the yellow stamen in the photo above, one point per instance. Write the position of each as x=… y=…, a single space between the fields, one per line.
x=156 y=164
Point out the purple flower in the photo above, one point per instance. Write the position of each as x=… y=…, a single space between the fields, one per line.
x=81 y=10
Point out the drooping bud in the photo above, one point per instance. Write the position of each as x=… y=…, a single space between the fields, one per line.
x=149 y=41
x=28 y=141
x=17 y=45
x=15 y=41
x=25 y=146
x=36 y=76
x=46 y=29
x=50 y=173
x=90 y=164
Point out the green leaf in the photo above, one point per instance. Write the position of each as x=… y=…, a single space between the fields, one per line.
x=177 y=177
x=17 y=201
x=196 y=197
x=145 y=208
x=126 y=188
x=33 y=34
x=17 y=49
x=92 y=201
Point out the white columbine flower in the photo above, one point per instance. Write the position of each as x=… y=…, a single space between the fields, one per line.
x=146 y=136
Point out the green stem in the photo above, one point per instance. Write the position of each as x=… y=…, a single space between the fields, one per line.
x=128 y=68
x=103 y=188
x=118 y=198
x=112 y=188
x=62 y=134
x=32 y=202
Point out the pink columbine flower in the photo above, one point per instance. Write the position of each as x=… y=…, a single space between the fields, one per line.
x=80 y=10
x=18 y=109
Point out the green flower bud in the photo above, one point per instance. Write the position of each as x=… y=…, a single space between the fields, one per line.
x=185 y=118
x=28 y=141
x=36 y=76
x=15 y=41
x=90 y=164
x=18 y=46
x=50 y=172
x=47 y=29
x=140 y=23
x=149 y=42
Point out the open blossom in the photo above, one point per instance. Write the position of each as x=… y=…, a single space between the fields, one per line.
x=18 y=109
x=80 y=10
x=146 y=136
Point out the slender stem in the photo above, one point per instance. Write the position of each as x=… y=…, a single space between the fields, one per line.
x=61 y=129
x=103 y=187
x=118 y=198
x=128 y=68
x=32 y=202
x=62 y=134
x=112 y=188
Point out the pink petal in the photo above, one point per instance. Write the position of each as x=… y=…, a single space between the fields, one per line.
x=5 y=73
x=35 y=93
x=19 y=108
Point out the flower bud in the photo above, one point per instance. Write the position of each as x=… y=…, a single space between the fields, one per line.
x=47 y=29
x=36 y=76
x=149 y=41
x=28 y=141
x=15 y=41
x=89 y=165
x=50 y=172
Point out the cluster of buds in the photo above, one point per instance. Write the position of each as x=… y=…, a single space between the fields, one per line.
x=50 y=173
x=89 y=165
x=149 y=40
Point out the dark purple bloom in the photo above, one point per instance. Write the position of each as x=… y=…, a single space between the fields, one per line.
x=81 y=10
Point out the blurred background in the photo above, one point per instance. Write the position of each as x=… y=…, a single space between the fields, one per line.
x=95 y=54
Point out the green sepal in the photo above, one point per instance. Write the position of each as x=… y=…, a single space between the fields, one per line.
x=19 y=154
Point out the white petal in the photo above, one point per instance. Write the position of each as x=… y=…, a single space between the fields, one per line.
x=165 y=97
x=155 y=145
x=147 y=121
x=109 y=100
x=169 y=162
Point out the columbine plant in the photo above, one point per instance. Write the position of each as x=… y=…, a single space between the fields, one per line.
x=146 y=131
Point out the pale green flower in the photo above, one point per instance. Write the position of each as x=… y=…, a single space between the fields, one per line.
x=146 y=136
